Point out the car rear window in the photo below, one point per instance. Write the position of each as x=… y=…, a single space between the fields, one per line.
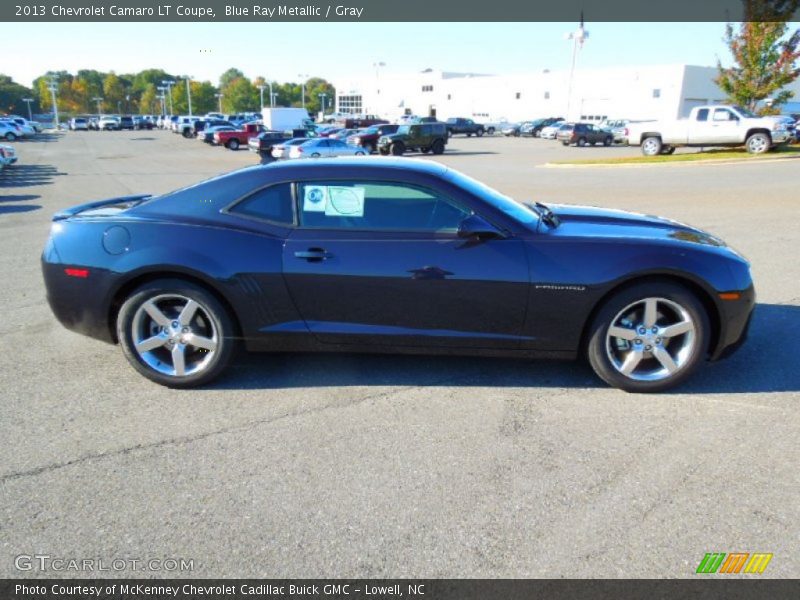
x=272 y=204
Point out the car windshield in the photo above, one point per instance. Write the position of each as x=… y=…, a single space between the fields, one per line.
x=519 y=212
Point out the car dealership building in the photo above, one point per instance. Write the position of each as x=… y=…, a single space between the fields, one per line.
x=644 y=92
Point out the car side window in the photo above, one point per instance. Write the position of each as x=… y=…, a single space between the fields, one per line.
x=702 y=114
x=273 y=203
x=376 y=206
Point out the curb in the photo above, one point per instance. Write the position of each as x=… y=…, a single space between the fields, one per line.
x=693 y=163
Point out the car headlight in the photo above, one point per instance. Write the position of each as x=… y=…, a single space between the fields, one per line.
x=357 y=140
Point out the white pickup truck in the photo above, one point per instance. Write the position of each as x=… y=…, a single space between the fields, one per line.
x=715 y=125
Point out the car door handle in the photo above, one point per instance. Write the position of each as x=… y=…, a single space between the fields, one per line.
x=313 y=254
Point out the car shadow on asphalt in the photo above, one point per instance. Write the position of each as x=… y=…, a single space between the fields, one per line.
x=41 y=137
x=757 y=367
x=28 y=175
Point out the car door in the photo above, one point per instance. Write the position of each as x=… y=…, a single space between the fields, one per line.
x=726 y=126
x=381 y=263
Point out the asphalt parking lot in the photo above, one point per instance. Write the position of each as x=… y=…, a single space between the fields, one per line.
x=372 y=466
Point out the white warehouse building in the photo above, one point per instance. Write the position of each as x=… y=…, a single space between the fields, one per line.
x=644 y=92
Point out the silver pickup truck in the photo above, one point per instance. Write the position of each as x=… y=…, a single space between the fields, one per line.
x=716 y=125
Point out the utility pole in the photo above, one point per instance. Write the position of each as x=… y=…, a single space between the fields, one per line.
x=303 y=77
x=169 y=83
x=261 y=89
x=53 y=87
x=98 y=99
x=578 y=36
x=28 y=102
x=322 y=97
x=219 y=97
x=189 y=93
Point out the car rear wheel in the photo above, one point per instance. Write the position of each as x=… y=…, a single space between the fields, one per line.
x=649 y=337
x=398 y=148
x=651 y=146
x=668 y=150
x=438 y=147
x=360 y=153
x=479 y=133
x=425 y=150
x=175 y=333
x=10 y=137
x=490 y=131
x=581 y=142
x=608 y=141
x=233 y=144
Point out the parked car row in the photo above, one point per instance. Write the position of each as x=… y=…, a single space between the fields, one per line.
x=13 y=128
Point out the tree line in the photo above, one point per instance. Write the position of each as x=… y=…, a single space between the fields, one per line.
x=139 y=94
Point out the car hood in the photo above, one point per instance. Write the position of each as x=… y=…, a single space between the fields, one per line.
x=590 y=221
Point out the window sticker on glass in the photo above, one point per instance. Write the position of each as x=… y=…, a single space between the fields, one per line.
x=315 y=198
x=345 y=202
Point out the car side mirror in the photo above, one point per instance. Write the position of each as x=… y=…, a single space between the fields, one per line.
x=478 y=227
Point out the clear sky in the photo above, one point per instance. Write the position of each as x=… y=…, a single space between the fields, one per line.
x=345 y=51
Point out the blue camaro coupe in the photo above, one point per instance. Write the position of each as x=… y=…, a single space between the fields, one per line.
x=391 y=255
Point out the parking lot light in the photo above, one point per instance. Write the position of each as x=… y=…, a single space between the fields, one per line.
x=169 y=83
x=219 y=97
x=189 y=93
x=261 y=89
x=98 y=99
x=303 y=77
x=28 y=102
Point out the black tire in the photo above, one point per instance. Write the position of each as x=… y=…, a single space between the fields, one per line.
x=516 y=134
x=315 y=155
x=10 y=137
x=233 y=144
x=425 y=150
x=398 y=148
x=187 y=133
x=384 y=151
x=598 y=353
x=490 y=131
x=372 y=148
x=218 y=318
x=668 y=150
x=565 y=143
x=651 y=146
x=479 y=133
x=581 y=142
x=469 y=135
x=361 y=153
x=438 y=147
x=608 y=141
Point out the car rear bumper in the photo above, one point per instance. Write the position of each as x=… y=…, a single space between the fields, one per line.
x=80 y=304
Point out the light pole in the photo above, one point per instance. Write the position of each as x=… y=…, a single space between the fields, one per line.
x=28 y=102
x=189 y=93
x=322 y=97
x=53 y=87
x=169 y=83
x=162 y=99
x=272 y=98
x=303 y=77
x=127 y=104
x=578 y=36
x=261 y=89
x=98 y=99
x=219 y=97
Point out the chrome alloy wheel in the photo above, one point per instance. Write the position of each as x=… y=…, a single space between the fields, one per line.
x=651 y=339
x=174 y=335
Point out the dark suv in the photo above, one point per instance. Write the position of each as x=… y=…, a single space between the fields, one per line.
x=126 y=122
x=425 y=137
x=465 y=126
x=584 y=133
x=368 y=138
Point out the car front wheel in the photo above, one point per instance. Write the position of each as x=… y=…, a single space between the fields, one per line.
x=175 y=333
x=649 y=337
x=758 y=143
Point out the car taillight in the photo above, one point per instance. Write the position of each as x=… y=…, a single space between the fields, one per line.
x=626 y=131
x=83 y=273
x=299 y=150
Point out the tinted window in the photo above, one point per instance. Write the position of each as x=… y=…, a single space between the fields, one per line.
x=272 y=204
x=376 y=206
x=702 y=114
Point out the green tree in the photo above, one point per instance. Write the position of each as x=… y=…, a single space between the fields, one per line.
x=240 y=95
x=314 y=87
x=148 y=102
x=113 y=91
x=228 y=77
x=11 y=95
x=764 y=56
x=204 y=98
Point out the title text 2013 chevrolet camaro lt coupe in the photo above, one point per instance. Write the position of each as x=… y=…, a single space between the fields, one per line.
x=389 y=255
